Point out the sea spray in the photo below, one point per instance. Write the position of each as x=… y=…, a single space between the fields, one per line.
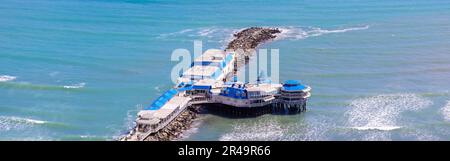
x=381 y=113
x=446 y=111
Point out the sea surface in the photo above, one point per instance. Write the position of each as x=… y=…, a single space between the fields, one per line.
x=81 y=69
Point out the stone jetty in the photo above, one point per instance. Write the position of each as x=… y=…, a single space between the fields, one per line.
x=250 y=38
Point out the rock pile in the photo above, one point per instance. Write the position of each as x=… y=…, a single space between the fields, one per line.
x=174 y=129
x=250 y=38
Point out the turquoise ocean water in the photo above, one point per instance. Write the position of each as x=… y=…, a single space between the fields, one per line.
x=80 y=69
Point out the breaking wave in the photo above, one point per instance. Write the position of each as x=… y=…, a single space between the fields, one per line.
x=6 y=78
x=296 y=33
x=382 y=112
x=75 y=86
x=446 y=111
x=11 y=122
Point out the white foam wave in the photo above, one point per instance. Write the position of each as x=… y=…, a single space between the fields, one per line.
x=446 y=111
x=75 y=86
x=381 y=128
x=213 y=33
x=322 y=31
x=6 y=78
x=13 y=122
x=296 y=33
x=381 y=112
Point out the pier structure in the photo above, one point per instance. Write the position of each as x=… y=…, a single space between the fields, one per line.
x=204 y=85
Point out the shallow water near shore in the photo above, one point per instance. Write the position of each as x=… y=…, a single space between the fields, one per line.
x=80 y=70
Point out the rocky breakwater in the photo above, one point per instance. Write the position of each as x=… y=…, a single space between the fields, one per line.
x=250 y=38
x=245 y=43
x=175 y=128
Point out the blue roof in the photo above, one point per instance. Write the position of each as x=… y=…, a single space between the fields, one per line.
x=293 y=85
x=172 y=91
x=292 y=82
x=185 y=88
x=163 y=99
x=201 y=87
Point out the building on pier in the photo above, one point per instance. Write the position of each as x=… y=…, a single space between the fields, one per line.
x=205 y=83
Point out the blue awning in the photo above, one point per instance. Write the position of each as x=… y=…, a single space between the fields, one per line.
x=201 y=87
x=163 y=99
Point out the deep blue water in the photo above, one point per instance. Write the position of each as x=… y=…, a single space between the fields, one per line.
x=80 y=70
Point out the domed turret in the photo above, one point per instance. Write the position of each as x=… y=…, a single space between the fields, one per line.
x=293 y=96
